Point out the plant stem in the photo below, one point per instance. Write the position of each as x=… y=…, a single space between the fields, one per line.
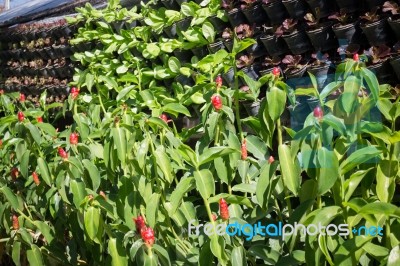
x=278 y=125
x=237 y=107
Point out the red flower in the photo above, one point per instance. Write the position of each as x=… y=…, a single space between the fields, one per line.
x=21 y=116
x=148 y=236
x=223 y=209
x=318 y=113
x=1 y=143
x=73 y=138
x=22 y=97
x=356 y=57
x=165 y=118
x=216 y=102
x=74 y=92
x=40 y=119
x=63 y=154
x=214 y=217
x=36 y=178
x=276 y=71
x=1 y=92
x=101 y=193
x=140 y=223
x=15 y=222
x=271 y=159
x=244 y=150
x=14 y=173
x=218 y=81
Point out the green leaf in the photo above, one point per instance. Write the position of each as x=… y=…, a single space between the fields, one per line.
x=78 y=191
x=12 y=199
x=35 y=133
x=151 y=209
x=217 y=246
x=25 y=164
x=336 y=123
x=323 y=216
x=276 y=99
x=358 y=157
x=34 y=256
x=176 y=108
x=117 y=252
x=394 y=256
x=328 y=165
x=377 y=208
x=162 y=254
x=351 y=184
x=208 y=31
x=372 y=82
x=164 y=163
x=184 y=186
x=385 y=180
x=109 y=82
x=214 y=152
x=93 y=173
x=135 y=247
x=120 y=143
x=47 y=128
x=349 y=97
x=174 y=65
x=289 y=168
x=264 y=252
x=45 y=230
x=16 y=253
x=204 y=183
x=238 y=257
x=92 y=221
x=89 y=81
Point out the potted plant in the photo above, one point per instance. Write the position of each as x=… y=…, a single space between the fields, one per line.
x=296 y=8
x=322 y=8
x=395 y=60
x=321 y=68
x=375 y=28
x=320 y=34
x=275 y=10
x=347 y=29
x=371 y=4
x=234 y=13
x=269 y=64
x=245 y=62
x=380 y=64
x=295 y=66
x=348 y=6
x=254 y=12
x=394 y=22
x=295 y=38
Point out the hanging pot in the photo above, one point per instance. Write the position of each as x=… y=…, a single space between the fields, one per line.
x=252 y=71
x=377 y=32
x=276 y=12
x=347 y=34
x=322 y=74
x=236 y=17
x=219 y=24
x=384 y=72
x=130 y=25
x=170 y=31
x=256 y=15
x=200 y=52
x=298 y=42
x=275 y=46
x=252 y=108
x=170 y=4
x=323 y=38
x=395 y=62
x=184 y=24
x=229 y=78
x=66 y=50
x=117 y=25
x=184 y=56
x=296 y=8
x=348 y=6
x=395 y=25
x=50 y=52
x=229 y=45
x=185 y=81
x=325 y=7
x=257 y=49
x=216 y=46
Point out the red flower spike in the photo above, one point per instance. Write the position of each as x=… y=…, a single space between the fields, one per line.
x=15 y=222
x=216 y=101
x=356 y=57
x=39 y=119
x=318 y=113
x=73 y=138
x=276 y=71
x=148 y=236
x=36 y=178
x=165 y=118
x=223 y=209
x=218 y=81
x=1 y=92
x=14 y=173
x=22 y=97
x=1 y=143
x=271 y=159
x=21 y=116
x=140 y=223
x=63 y=154
x=244 y=150
x=74 y=92
x=214 y=217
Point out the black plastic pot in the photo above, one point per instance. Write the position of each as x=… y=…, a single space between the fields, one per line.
x=347 y=34
x=378 y=32
x=256 y=15
x=171 y=31
x=395 y=62
x=325 y=7
x=395 y=25
x=298 y=115
x=252 y=108
x=322 y=74
x=236 y=17
x=229 y=78
x=50 y=52
x=298 y=42
x=183 y=55
x=185 y=81
x=323 y=39
x=65 y=50
x=117 y=25
x=229 y=45
x=252 y=71
x=257 y=49
x=200 y=52
x=276 y=12
x=384 y=72
x=275 y=45
x=374 y=3
x=42 y=53
x=219 y=24
x=216 y=46
x=130 y=25
x=170 y=4
x=296 y=8
x=348 y=5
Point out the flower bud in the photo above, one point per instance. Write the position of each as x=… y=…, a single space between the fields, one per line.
x=216 y=101
x=14 y=173
x=73 y=138
x=276 y=71
x=74 y=92
x=101 y=193
x=318 y=112
x=36 y=178
x=39 y=119
x=271 y=159
x=148 y=236
x=223 y=209
x=15 y=222
x=63 y=154
x=22 y=97
x=244 y=149
x=218 y=81
x=140 y=223
x=21 y=116
x=356 y=57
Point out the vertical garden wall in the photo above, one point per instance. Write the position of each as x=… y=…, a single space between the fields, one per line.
x=175 y=117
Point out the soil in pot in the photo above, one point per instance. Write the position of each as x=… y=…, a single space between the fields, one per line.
x=298 y=42
x=395 y=62
x=219 y=24
x=395 y=25
x=276 y=12
x=322 y=74
x=256 y=15
x=236 y=17
x=216 y=46
x=384 y=72
x=348 y=5
x=377 y=32
x=275 y=46
x=325 y=7
x=347 y=34
x=296 y=8
x=323 y=38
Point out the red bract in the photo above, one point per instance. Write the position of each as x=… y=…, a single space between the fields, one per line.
x=1 y=143
x=74 y=92
x=36 y=178
x=14 y=173
x=318 y=113
x=356 y=57
x=276 y=72
x=271 y=159
x=165 y=118
x=40 y=119
x=63 y=154
x=216 y=101
x=1 y=92
x=148 y=236
x=223 y=209
x=218 y=81
x=214 y=217
x=21 y=116
x=15 y=222
x=244 y=150
x=73 y=138
x=22 y=97
x=140 y=223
